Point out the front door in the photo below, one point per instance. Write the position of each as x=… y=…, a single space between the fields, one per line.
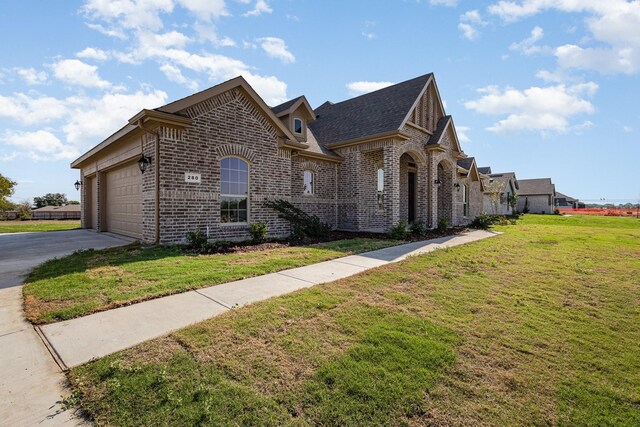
x=411 y=188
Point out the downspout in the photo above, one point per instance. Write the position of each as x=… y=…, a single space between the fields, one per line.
x=157 y=177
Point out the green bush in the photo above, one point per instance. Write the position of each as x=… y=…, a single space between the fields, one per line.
x=399 y=231
x=484 y=221
x=443 y=224
x=197 y=240
x=258 y=231
x=302 y=224
x=418 y=228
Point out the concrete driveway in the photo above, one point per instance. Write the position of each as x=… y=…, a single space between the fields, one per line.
x=31 y=384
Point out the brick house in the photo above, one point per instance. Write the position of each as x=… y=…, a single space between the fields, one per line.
x=214 y=157
x=499 y=187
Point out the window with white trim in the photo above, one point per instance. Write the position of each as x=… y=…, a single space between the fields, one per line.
x=234 y=190
x=465 y=200
x=297 y=126
x=309 y=183
x=380 y=186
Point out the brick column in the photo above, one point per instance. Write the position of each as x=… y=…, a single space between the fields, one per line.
x=100 y=201
x=433 y=190
x=391 y=184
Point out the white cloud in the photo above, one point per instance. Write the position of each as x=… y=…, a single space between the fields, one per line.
x=31 y=76
x=539 y=109
x=292 y=18
x=208 y=32
x=174 y=74
x=462 y=133
x=613 y=22
x=205 y=9
x=469 y=21
x=276 y=48
x=28 y=110
x=78 y=73
x=627 y=129
x=260 y=7
x=468 y=31
x=93 y=53
x=528 y=46
x=369 y=36
x=128 y=14
x=360 y=87
x=39 y=145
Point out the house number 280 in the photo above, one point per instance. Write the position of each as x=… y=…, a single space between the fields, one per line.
x=192 y=177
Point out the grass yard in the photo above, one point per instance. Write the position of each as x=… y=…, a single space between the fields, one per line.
x=91 y=281
x=37 y=225
x=538 y=326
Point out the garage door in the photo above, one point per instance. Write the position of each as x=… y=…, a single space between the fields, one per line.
x=124 y=200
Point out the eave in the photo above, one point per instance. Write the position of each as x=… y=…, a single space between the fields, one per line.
x=394 y=134
x=152 y=119
x=319 y=156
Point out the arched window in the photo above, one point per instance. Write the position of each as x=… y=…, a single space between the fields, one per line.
x=380 y=177
x=465 y=200
x=234 y=190
x=297 y=126
x=309 y=183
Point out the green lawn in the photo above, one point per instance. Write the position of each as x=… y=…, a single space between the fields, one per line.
x=538 y=326
x=37 y=225
x=90 y=281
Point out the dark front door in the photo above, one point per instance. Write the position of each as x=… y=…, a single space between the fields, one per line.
x=412 y=196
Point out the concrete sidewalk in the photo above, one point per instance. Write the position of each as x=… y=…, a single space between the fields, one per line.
x=31 y=385
x=77 y=341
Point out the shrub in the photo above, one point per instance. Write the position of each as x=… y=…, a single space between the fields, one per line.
x=484 y=221
x=399 y=231
x=302 y=224
x=258 y=231
x=418 y=228
x=556 y=211
x=443 y=224
x=197 y=240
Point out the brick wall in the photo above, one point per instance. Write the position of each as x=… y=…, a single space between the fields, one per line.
x=323 y=203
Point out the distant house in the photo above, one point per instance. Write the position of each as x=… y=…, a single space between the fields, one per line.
x=499 y=187
x=564 y=201
x=469 y=189
x=537 y=195
x=57 y=212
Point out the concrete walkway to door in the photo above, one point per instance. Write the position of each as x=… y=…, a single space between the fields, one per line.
x=31 y=384
x=77 y=341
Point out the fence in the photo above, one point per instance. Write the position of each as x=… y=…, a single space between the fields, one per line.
x=601 y=211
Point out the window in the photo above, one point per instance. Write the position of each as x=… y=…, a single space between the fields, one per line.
x=380 y=176
x=465 y=200
x=309 y=178
x=234 y=190
x=297 y=126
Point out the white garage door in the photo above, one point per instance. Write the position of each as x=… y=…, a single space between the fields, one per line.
x=124 y=200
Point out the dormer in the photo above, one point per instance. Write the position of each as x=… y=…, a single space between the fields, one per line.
x=296 y=115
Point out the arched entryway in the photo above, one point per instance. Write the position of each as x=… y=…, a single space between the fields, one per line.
x=445 y=192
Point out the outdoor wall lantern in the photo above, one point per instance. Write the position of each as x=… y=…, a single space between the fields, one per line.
x=144 y=162
x=457 y=186
x=437 y=181
x=77 y=184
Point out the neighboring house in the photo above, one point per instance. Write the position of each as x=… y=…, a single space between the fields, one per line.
x=57 y=212
x=564 y=201
x=214 y=157
x=485 y=170
x=537 y=195
x=469 y=190
x=499 y=187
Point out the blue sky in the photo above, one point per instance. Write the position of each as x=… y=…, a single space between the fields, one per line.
x=539 y=87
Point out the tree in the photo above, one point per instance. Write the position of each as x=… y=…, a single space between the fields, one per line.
x=494 y=188
x=24 y=210
x=50 y=199
x=513 y=201
x=6 y=190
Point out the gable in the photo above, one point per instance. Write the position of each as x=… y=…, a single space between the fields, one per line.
x=428 y=108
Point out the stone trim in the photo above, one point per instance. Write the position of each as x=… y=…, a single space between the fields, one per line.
x=235 y=150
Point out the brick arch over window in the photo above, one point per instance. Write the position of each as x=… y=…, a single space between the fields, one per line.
x=415 y=150
x=310 y=166
x=236 y=150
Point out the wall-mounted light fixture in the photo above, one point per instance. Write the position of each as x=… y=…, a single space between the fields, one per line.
x=77 y=184
x=437 y=181
x=457 y=186
x=144 y=162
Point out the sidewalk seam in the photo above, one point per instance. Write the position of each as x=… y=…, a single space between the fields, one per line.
x=297 y=278
x=54 y=353
x=213 y=299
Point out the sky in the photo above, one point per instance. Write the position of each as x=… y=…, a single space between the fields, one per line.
x=544 y=88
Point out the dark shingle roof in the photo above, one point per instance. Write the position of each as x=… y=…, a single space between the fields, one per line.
x=486 y=170
x=369 y=114
x=559 y=195
x=536 y=186
x=466 y=163
x=285 y=105
x=440 y=128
